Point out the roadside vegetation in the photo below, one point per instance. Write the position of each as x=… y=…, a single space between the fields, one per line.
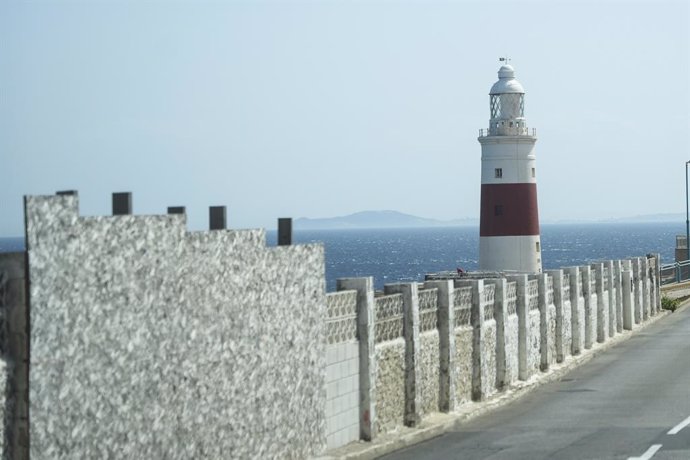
x=670 y=304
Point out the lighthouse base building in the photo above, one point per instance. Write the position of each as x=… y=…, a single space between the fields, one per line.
x=509 y=223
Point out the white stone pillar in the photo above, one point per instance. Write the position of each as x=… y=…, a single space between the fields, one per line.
x=637 y=290
x=590 y=310
x=546 y=346
x=577 y=311
x=627 y=291
x=521 y=308
x=602 y=313
x=617 y=282
x=645 y=286
x=611 y=292
x=563 y=330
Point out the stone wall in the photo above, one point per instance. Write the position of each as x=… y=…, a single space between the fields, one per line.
x=463 y=363
x=342 y=369
x=484 y=335
x=158 y=343
x=429 y=367
x=390 y=385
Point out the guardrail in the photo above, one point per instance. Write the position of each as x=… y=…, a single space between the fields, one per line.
x=675 y=272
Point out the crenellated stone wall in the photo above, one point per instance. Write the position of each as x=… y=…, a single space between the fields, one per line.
x=151 y=342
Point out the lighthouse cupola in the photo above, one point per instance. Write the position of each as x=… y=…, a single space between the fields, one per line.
x=507 y=101
x=509 y=223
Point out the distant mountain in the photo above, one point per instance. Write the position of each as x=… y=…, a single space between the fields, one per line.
x=377 y=219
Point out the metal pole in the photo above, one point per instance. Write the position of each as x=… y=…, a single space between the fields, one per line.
x=687 y=216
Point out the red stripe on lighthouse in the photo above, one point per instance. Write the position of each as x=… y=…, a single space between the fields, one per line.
x=509 y=210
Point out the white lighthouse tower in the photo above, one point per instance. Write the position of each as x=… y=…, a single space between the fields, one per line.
x=509 y=223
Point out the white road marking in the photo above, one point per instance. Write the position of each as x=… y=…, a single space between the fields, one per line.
x=680 y=426
x=649 y=454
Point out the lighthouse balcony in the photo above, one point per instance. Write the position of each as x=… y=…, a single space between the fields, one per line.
x=507 y=129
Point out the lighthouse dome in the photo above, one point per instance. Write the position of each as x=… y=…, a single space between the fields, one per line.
x=506 y=82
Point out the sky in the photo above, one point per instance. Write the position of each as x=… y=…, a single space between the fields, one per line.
x=325 y=108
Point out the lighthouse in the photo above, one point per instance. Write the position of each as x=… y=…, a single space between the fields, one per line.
x=509 y=223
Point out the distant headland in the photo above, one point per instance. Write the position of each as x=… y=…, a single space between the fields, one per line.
x=395 y=219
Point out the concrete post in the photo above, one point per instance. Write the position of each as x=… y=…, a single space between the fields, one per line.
x=617 y=282
x=367 y=352
x=645 y=287
x=521 y=308
x=657 y=283
x=122 y=203
x=627 y=300
x=561 y=329
x=576 y=313
x=590 y=310
x=637 y=291
x=500 y=314
x=446 y=336
x=611 y=299
x=602 y=313
x=284 y=231
x=177 y=210
x=413 y=397
x=627 y=290
x=544 y=324
x=217 y=218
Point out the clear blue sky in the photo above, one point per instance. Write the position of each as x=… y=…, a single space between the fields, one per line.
x=325 y=108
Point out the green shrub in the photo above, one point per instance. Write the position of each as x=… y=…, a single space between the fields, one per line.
x=669 y=304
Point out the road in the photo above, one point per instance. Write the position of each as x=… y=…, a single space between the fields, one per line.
x=633 y=401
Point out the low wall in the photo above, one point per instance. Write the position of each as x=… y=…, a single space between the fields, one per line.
x=481 y=336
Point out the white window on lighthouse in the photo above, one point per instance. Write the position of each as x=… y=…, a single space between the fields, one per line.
x=498 y=173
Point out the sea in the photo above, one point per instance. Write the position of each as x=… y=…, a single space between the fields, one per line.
x=407 y=254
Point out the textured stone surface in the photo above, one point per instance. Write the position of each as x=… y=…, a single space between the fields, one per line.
x=511 y=353
x=429 y=372
x=463 y=364
x=591 y=312
x=603 y=317
x=390 y=384
x=488 y=350
x=533 y=342
x=567 y=329
x=580 y=324
x=551 y=331
x=151 y=342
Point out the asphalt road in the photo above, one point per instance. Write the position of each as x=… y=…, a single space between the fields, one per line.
x=620 y=405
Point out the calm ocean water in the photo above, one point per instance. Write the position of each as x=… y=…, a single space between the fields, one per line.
x=391 y=255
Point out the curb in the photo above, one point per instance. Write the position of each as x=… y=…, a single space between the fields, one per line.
x=437 y=424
